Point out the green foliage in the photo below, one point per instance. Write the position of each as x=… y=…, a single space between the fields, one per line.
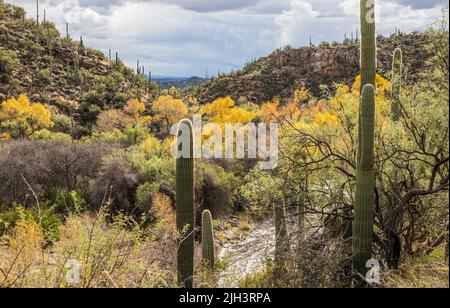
x=185 y=210
x=45 y=216
x=44 y=76
x=46 y=135
x=8 y=63
x=65 y=203
x=216 y=189
x=261 y=191
x=145 y=193
x=19 y=12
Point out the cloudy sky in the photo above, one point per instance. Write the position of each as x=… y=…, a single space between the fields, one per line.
x=188 y=37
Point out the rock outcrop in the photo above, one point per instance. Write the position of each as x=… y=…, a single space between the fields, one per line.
x=286 y=70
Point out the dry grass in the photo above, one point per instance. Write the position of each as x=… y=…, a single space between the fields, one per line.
x=422 y=272
x=110 y=255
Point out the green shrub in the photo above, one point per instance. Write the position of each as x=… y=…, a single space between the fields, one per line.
x=45 y=134
x=45 y=216
x=145 y=194
x=8 y=63
x=44 y=76
x=215 y=188
x=65 y=203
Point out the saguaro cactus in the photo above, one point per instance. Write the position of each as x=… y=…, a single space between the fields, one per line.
x=185 y=205
x=365 y=175
x=208 y=239
x=397 y=67
x=368 y=43
x=365 y=183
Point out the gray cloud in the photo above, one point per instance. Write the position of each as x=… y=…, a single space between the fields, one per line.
x=186 y=37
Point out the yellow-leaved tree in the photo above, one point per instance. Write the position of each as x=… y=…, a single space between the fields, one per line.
x=20 y=119
x=168 y=111
x=132 y=114
x=224 y=110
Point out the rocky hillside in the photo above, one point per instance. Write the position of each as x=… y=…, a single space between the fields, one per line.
x=280 y=73
x=59 y=71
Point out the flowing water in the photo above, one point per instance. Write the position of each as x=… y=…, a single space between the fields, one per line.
x=248 y=255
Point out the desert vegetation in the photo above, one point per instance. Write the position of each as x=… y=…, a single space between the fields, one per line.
x=91 y=195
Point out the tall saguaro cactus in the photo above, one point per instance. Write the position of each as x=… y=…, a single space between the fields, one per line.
x=365 y=184
x=397 y=67
x=365 y=174
x=208 y=239
x=185 y=204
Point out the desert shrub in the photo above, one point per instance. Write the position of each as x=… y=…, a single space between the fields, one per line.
x=164 y=213
x=8 y=63
x=66 y=203
x=145 y=193
x=109 y=255
x=36 y=167
x=116 y=184
x=128 y=137
x=19 y=12
x=44 y=76
x=45 y=134
x=215 y=188
x=45 y=217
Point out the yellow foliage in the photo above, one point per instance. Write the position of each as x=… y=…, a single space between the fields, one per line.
x=301 y=96
x=383 y=85
x=269 y=111
x=21 y=118
x=27 y=240
x=151 y=146
x=168 y=110
x=131 y=114
x=134 y=108
x=110 y=119
x=326 y=118
x=223 y=110
x=5 y=136
x=164 y=213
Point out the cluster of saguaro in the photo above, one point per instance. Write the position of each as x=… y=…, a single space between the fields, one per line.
x=365 y=174
x=397 y=67
x=185 y=210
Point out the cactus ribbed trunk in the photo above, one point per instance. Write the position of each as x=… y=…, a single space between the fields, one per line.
x=365 y=184
x=368 y=43
x=185 y=210
x=365 y=174
x=397 y=66
x=208 y=240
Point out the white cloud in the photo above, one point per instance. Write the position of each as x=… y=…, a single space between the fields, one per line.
x=186 y=37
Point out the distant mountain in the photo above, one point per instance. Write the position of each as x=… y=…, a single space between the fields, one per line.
x=178 y=82
x=288 y=69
